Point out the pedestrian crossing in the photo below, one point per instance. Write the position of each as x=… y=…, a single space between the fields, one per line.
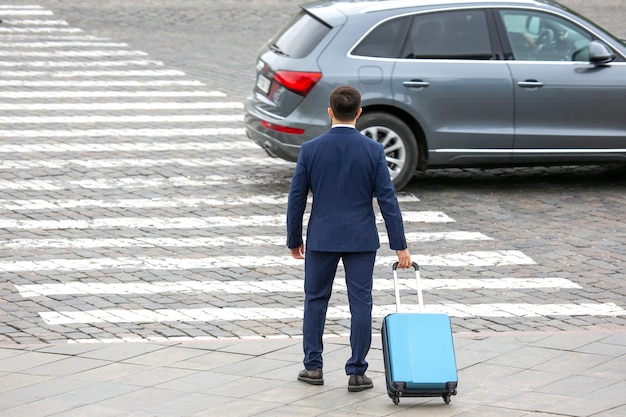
x=133 y=208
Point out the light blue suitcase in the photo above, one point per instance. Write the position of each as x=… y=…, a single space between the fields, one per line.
x=418 y=351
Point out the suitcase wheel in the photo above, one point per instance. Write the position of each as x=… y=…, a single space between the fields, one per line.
x=396 y=399
x=446 y=398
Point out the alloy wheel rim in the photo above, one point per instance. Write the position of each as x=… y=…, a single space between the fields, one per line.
x=395 y=150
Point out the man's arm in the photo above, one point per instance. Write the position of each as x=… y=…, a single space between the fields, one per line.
x=296 y=205
x=390 y=209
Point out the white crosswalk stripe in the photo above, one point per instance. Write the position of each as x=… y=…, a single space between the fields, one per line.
x=101 y=44
x=268 y=286
x=277 y=199
x=222 y=241
x=335 y=312
x=66 y=54
x=476 y=258
x=20 y=164
x=120 y=119
x=127 y=132
x=65 y=92
x=39 y=30
x=35 y=22
x=192 y=222
x=105 y=93
x=128 y=147
x=120 y=106
x=97 y=83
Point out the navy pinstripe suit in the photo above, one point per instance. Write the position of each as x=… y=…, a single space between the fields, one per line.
x=343 y=170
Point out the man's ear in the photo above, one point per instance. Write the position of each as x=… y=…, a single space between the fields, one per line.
x=358 y=114
x=330 y=113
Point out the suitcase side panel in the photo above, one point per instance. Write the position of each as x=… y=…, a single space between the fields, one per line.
x=420 y=352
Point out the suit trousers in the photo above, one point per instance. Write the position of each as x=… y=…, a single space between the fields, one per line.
x=319 y=273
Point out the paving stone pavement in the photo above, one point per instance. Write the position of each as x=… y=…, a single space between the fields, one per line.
x=142 y=250
x=521 y=374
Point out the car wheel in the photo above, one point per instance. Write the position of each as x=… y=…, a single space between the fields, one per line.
x=399 y=143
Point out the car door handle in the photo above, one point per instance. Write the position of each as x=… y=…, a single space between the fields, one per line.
x=415 y=84
x=530 y=84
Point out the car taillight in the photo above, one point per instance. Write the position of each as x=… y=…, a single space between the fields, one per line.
x=283 y=129
x=298 y=82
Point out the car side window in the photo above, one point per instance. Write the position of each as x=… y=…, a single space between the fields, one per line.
x=449 y=35
x=385 y=40
x=535 y=36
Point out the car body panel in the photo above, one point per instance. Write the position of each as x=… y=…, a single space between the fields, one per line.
x=578 y=108
x=467 y=106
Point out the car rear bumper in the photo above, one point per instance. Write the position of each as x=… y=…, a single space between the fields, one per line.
x=275 y=147
x=278 y=144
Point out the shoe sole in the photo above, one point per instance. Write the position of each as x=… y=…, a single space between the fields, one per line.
x=311 y=381
x=357 y=388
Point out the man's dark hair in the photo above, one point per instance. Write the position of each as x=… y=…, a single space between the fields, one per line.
x=345 y=102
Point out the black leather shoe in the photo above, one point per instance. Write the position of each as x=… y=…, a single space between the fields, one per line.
x=313 y=377
x=358 y=383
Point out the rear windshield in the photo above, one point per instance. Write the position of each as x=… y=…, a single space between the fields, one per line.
x=300 y=36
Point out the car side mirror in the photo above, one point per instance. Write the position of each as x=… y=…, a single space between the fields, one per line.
x=599 y=53
x=533 y=25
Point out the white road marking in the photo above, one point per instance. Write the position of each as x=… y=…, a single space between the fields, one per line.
x=166 y=118
x=51 y=37
x=30 y=205
x=335 y=312
x=189 y=222
x=170 y=105
x=20 y=164
x=10 y=10
x=38 y=30
x=62 y=44
x=93 y=73
x=124 y=183
x=222 y=241
x=57 y=54
x=75 y=64
x=99 y=83
x=477 y=258
x=92 y=133
x=133 y=146
x=35 y=22
x=101 y=94
x=271 y=286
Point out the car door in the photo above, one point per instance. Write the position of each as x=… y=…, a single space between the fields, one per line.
x=567 y=109
x=451 y=79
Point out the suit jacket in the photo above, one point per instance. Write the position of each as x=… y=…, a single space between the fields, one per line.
x=344 y=170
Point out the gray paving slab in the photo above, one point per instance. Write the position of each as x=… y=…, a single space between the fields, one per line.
x=514 y=374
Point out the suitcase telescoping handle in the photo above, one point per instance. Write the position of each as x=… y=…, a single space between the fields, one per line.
x=420 y=298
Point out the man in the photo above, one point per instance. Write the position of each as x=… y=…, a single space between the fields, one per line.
x=344 y=170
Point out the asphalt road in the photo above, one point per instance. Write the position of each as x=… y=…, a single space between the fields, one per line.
x=150 y=216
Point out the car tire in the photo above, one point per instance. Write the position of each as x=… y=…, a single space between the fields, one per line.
x=398 y=140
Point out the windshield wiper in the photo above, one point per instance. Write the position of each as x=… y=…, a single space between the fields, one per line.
x=276 y=49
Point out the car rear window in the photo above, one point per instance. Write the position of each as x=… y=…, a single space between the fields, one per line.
x=300 y=36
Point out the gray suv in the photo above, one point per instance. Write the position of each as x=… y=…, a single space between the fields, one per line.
x=447 y=83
